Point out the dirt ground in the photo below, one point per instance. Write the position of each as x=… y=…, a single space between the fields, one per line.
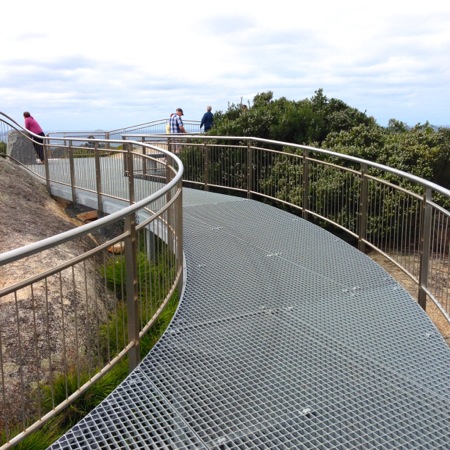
x=29 y=214
x=405 y=281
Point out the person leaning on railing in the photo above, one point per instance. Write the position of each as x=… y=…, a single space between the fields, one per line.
x=38 y=143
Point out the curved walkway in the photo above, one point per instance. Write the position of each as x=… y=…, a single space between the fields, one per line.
x=286 y=337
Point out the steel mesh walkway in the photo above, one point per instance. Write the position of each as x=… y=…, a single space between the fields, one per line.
x=286 y=337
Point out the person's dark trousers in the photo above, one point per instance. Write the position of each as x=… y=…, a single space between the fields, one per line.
x=38 y=144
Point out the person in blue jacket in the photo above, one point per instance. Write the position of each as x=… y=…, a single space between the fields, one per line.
x=207 y=119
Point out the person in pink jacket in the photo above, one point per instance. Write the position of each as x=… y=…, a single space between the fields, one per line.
x=38 y=143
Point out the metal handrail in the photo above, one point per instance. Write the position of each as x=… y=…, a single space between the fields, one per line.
x=253 y=140
x=152 y=220
x=45 y=244
x=251 y=164
x=428 y=210
x=153 y=127
x=428 y=235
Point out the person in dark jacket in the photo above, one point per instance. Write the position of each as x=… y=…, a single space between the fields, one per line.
x=207 y=119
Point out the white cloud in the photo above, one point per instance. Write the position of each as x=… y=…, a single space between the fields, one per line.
x=98 y=64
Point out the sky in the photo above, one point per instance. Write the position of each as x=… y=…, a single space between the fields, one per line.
x=97 y=65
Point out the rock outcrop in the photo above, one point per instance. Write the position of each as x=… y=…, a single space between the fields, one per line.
x=52 y=324
x=20 y=148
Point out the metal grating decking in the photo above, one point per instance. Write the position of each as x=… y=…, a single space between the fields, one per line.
x=286 y=337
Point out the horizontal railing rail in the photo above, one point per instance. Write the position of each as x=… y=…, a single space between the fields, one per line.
x=153 y=127
x=398 y=215
x=88 y=295
x=401 y=216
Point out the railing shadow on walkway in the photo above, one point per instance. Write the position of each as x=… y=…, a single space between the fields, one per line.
x=286 y=336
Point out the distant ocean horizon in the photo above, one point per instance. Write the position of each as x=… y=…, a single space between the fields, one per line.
x=4 y=135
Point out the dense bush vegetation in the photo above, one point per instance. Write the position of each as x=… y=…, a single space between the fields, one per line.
x=330 y=123
x=320 y=122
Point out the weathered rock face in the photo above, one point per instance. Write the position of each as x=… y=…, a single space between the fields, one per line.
x=54 y=323
x=20 y=148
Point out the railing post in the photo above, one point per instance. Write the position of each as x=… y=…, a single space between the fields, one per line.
x=98 y=179
x=363 y=206
x=425 y=241
x=170 y=213
x=206 y=166
x=72 y=173
x=46 y=151
x=144 y=160
x=179 y=238
x=132 y=291
x=249 y=169
x=305 y=184
x=171 y=146
x=175 y=228
x=129 y=170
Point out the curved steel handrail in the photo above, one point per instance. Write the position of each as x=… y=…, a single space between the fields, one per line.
x=47 y=243
x=157 y=206
x=189 y=371
x=327 y=152
x=428 y=209
x=206 y=143
x=152 y=125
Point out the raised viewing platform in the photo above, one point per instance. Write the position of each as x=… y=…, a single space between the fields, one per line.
x=286 y=337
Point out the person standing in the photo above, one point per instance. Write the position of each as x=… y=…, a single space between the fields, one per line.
x=176 y=125
x=38 y=142
x=168 y=124
x=207 y=119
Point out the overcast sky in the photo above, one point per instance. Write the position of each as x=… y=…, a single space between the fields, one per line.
x=89 y=65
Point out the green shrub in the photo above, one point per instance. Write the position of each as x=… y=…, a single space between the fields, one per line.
x=113 y=336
